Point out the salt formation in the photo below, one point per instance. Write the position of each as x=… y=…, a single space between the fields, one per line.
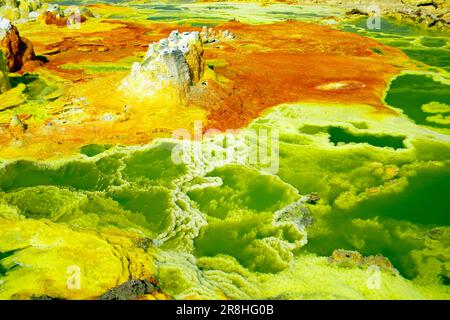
x=172 y=62
x=209 y=35
x=5 y=26
x=4 y=80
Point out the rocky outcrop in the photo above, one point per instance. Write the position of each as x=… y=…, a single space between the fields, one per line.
x=70 y=16
x=17 y=126
x=129 y=290
x=172 y=62
x=209 y=35
x=18 y=51
x=427 y=13
x=356 y=12
x=45 y=297
x=422 y=17
x=350 y=259
x=61 y=20
x=4 y=80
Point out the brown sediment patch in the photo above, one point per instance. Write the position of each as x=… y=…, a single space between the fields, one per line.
x=110 y=46
x=56 y=19
x=126 y=40
x=288 y=62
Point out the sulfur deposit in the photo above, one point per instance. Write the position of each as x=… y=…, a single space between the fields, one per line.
x=288 y=152
x=21 y=9
x=4 y=80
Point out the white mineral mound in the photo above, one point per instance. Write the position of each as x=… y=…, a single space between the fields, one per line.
x=174 y=62
x=5 y=26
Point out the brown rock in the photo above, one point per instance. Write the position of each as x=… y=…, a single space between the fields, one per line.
x=56 y=19
x=62 y=21
x=18 y=51
x=346 y=258
x=130 y=290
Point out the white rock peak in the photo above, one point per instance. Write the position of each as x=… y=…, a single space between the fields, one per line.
x=175 y=61
x=5 y=26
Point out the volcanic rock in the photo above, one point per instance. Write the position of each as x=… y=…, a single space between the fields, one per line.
x=71 y=16
x=129 y=290
x=426 y=13
x=356 y=12
x=349 y=259
x=313 y=198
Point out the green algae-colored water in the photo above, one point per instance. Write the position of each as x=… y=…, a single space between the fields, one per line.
x=36 y=87
x=4 y=255
x=430 y=47
x=80 y=189
x=433 y=57
x=137 y=190
x=92 y=150
x=230 y=210
x=433 y=42
x=399 y=215
x=340 y=135
x=420 y=202
x=420 y=206
x=410 y=92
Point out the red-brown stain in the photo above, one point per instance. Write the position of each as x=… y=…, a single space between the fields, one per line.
x=266 y=65
x=287 y=62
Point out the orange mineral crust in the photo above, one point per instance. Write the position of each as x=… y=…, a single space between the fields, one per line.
x=124 y=40
x=264 y=66
x=295 y=62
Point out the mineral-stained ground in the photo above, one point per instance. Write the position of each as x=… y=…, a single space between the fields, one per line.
x=354 y=203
